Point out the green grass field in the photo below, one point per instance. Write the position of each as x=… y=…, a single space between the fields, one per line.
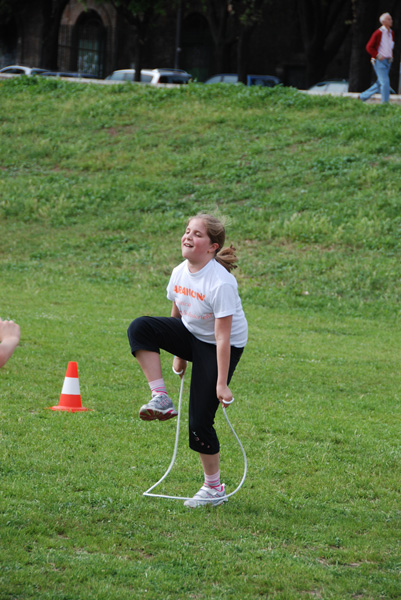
x=96 y=184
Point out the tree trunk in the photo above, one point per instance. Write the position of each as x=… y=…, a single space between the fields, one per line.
x=242 y=53
x=217 y=16
x=143 y=26
x=138 y=57
x=324 y=27
x=52 y=13
x=395 y=10
x=220 y=55
x=248 y=15
x=364 y=21
x=143 y=23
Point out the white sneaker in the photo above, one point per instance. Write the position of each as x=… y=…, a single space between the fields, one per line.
x=207 y=495
x=160 y=407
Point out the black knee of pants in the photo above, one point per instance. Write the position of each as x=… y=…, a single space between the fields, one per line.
x=140 y=335
x=160 y=333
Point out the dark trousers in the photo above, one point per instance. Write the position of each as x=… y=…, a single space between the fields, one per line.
x=170 y=334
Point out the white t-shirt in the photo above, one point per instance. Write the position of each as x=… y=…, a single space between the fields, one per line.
x=204 y=296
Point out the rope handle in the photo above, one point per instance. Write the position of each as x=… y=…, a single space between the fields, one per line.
x=178 y=372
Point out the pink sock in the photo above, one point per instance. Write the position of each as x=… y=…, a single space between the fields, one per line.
x=157 y=387
x=213 y=481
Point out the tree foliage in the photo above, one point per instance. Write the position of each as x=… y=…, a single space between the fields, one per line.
x=324 y=27
x=142 y=15
x=6 y=10
x=52 y=11
x=219 y=17
x=248 y=14
x=364 y=18
x=232 y=21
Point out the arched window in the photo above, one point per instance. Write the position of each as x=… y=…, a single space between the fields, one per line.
x=89 y=44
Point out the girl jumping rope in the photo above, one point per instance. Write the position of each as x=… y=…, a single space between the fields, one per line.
x=207 y=327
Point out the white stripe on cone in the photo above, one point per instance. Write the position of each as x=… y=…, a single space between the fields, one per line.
x=71 y=386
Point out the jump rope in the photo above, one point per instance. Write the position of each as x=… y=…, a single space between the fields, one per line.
x=177 y=435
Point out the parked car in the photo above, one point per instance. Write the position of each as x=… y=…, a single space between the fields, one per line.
x=152 y=76
x=68 y=74
x=263 y=80
x=333 y=86
x=21 y=70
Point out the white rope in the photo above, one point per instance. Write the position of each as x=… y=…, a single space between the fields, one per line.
x=177 y=435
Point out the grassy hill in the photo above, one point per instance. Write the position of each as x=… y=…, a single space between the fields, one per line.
x=290 y=171
x=96 y=186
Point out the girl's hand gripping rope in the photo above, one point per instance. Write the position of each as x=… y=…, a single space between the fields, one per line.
x=179 y=366
x=224 y=395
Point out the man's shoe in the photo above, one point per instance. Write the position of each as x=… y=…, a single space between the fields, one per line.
x=160 y=407
x=207 y=495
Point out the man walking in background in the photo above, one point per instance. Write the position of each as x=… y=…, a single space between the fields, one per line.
x=380 y=47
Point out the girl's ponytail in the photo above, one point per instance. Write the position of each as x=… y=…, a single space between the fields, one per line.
x=227 y=258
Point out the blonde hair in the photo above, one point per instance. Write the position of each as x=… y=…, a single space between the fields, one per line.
x=217 y=234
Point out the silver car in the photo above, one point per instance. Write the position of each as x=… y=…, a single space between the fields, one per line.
x=20 y=70
x=152 y=76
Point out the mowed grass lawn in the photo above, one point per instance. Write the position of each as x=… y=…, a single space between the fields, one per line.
x=96 y=186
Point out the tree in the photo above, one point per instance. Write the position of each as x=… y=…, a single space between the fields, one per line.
x=364 y=18
x=6 y=10
x=324 y=27
x=233 y=21
x=52 y=11
x=395 y=10
x=248 y=15
x=142 y=15
x=219 y=15
x=7 y=32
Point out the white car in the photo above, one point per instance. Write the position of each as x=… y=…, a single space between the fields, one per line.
x=20 y=70
x=334 y=86
x=152 y=76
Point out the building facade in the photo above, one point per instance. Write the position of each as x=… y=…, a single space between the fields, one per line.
x=91 y=37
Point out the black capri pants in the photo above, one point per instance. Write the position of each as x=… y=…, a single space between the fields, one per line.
x=170 y=334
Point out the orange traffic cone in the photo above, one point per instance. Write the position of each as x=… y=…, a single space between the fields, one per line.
x=70 y=399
